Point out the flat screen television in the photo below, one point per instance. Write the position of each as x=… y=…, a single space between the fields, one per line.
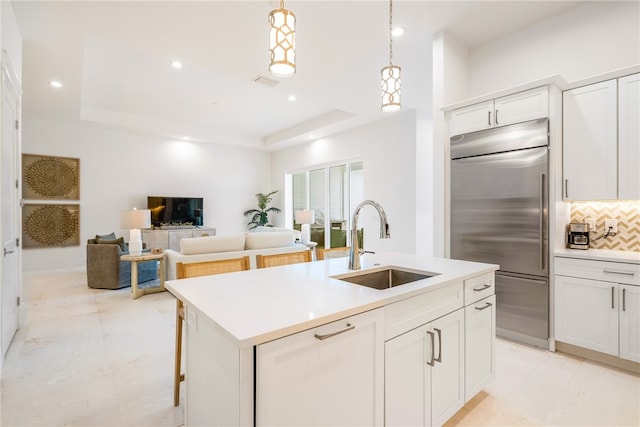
x=167 y=210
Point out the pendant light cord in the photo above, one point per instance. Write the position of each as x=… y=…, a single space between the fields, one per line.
x=390 y=32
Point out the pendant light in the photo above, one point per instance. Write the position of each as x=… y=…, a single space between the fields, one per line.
x=282 y=42
x=390 y=75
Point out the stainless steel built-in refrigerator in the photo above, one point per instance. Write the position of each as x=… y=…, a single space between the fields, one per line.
x=499 y=215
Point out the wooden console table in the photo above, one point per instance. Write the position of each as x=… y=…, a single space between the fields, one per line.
x=170 y=239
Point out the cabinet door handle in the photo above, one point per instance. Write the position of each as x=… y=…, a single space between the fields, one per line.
x=439 y=358
x=432 y=363
x=482 y=288
x=626 y=273
x=489 y=118
x=612 y=291
x=349 y=327
x=624 y=303
x=566 y=188
x=496 y=117
x=484 y=307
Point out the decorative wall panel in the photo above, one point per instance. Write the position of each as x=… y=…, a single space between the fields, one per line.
x=628 y=215
x=48 y=225
x=49 y=177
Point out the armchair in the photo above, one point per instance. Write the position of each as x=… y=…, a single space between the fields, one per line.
x=106 y=271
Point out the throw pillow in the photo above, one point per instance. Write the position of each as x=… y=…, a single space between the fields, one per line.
x=110 y=236
x=119 y=241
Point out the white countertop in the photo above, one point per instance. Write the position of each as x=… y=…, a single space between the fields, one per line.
x=257 y=306
x=600 y=255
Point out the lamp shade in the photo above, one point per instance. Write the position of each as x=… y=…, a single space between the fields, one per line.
x=136 y=218
x=282 y=42
x=305 y=216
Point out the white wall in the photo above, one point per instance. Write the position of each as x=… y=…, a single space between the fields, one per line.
x=388 y=150
x=119 y=169
x=589 y=39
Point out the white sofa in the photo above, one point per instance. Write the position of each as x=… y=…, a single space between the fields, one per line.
x=209 y=248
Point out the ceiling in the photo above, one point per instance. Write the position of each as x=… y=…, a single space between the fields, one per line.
x=114 y=60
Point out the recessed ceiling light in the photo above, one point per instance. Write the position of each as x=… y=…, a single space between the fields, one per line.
x=292 y=98
x=398 y=31
x=176 y=64
x=185 y=138
x=55 y=83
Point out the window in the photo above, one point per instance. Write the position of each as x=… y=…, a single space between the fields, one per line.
x=332 y=192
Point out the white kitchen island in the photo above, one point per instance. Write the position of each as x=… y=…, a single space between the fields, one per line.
x=294 y=346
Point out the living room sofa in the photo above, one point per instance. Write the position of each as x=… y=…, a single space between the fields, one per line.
x=210 y=248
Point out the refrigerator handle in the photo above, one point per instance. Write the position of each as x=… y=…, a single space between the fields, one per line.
x=541 y=222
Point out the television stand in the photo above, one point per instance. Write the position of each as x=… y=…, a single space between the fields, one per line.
x=170 y=239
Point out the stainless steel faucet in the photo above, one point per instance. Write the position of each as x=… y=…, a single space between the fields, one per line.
x=354 y=253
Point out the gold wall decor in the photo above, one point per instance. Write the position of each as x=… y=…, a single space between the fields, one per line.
x=626 y=212
x=48 y=225
x=50 y=177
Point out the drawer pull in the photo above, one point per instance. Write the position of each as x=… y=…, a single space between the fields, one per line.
x=482 y=288
x=625 y=273
x=486 y=305
x=432 y=363
x=349 y=327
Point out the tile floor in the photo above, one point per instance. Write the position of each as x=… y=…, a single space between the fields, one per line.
x=87 y=357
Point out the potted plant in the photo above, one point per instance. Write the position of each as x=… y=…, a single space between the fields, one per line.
x=260 y=216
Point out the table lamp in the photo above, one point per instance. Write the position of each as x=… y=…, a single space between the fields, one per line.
x=305 y=217
x=133 y=221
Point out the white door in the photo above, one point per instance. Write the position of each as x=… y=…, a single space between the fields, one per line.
x=629 y=307
x=447 y=376
x=480 y=338
x=407 y=385
x=590 y=146
x=331 y=375
x=587 y=313
x=9 y=213
x=629 y=137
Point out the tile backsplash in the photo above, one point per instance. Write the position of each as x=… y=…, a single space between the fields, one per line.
x=626 y=212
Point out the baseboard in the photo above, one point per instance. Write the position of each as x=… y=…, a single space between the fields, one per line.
x=596 y=356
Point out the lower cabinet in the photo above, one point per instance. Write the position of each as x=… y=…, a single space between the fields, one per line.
x=328 y=376
x=424 y=373
x=599 y=311
x=479 y=342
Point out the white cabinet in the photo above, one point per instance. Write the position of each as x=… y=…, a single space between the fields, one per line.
x=590 y=153
x=328 y=376
x=170 y=239
x=479 y=344
x=601 y=140
x=424 y=373
x=598 y=306
x=629 y=137
x=519 y=107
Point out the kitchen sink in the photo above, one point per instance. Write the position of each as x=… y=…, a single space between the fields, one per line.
x=385 y=278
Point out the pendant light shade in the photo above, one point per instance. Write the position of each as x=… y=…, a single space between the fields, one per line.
x=282 y=42
x=390 y=75
x=390 y=88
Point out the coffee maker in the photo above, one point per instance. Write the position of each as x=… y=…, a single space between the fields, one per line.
x=578 y=235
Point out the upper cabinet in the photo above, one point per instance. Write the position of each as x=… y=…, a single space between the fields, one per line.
x=519 y=107
x=629 y=137
x=601 y=141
